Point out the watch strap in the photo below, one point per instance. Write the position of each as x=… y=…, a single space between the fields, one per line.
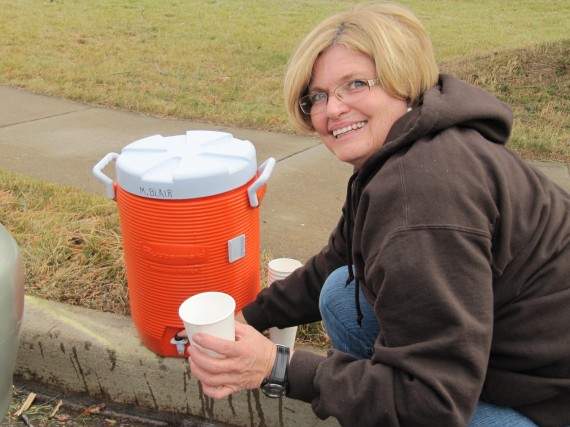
x=281 y=365
x=277 y=383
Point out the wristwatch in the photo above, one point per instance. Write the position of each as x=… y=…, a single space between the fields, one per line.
x=276 y=384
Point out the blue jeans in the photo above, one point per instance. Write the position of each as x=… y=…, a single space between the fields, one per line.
x=338 y=311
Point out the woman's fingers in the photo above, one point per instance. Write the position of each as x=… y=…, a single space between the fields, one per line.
x=217 y=392
x=244 y=335
x=243 y=330
x=244 y=364
x=240 y=318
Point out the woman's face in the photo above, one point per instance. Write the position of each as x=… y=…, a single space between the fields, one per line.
x=352 y=131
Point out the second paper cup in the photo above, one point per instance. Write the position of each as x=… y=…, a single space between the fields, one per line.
x=280 y=268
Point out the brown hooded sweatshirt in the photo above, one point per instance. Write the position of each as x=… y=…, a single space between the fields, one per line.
x=463 y=250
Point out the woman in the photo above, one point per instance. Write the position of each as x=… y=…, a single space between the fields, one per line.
x=445 y=286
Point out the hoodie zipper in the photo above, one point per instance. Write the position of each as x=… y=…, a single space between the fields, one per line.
x=352 y=182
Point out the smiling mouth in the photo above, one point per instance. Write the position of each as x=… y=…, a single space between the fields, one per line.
x=338 y=132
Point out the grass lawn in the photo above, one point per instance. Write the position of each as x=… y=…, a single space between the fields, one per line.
x=222 y=61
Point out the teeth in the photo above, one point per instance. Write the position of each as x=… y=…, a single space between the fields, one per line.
x=346 y=129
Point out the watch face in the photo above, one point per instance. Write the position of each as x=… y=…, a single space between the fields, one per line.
x=273 y=390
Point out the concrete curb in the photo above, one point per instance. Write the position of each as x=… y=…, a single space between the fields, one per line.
x=99 y=355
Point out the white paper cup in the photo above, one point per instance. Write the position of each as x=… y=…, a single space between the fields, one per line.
x=211 y=313
x=278 y=269
x=285 y=336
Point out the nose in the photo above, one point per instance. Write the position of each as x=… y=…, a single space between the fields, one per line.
x=335 y=106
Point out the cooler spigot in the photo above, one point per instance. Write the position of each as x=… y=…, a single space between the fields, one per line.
x=180 y=344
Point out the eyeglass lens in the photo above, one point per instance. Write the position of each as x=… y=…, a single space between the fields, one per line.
x=347 y=92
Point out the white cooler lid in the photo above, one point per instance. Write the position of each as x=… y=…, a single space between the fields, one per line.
x=197 y=164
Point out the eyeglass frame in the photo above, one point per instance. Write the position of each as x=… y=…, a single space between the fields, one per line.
x=369 y=83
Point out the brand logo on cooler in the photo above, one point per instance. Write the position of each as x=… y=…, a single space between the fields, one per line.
x=175 y=254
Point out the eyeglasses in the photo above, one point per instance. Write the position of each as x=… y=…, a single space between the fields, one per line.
x=348 y=92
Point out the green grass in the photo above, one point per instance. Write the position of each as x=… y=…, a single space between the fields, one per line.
x=535 y=81
x=461 y=27
x=70 y=243
x=220 y=61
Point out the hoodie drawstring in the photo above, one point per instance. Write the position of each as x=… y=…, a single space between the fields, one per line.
x=351 y=277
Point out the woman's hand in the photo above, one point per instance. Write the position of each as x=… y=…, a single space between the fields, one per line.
x=240 y=318
x=246 y=362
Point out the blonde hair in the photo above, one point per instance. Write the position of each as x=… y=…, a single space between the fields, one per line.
x=391 y=35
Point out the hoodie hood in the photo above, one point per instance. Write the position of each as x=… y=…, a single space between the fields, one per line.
x=456 y=103
x=450 y=103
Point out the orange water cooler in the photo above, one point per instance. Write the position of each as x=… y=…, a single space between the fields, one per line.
x=189 y=215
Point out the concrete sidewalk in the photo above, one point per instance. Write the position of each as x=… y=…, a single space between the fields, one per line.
x=98 y=354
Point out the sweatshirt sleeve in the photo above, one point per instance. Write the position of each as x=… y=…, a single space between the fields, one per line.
x=295 y=300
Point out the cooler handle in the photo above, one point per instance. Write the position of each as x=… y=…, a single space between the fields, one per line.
x=97 y=171
x=264 y=172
